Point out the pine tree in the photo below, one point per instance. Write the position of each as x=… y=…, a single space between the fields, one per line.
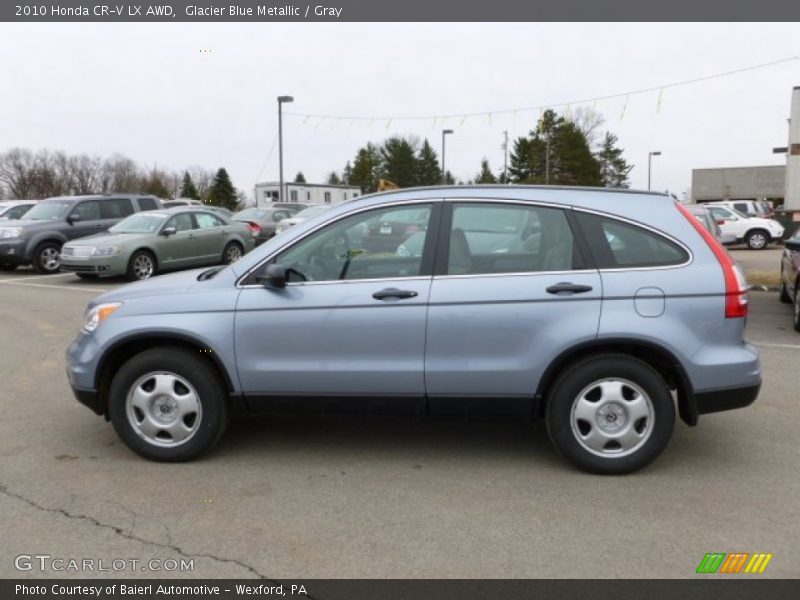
x=333 y=179
x=300 y=178
x=364 y=172
x=614 y=168
x=222 y=192
x=485 y=175
x=398 y=162
x=449 y=179
x=520 y=161
x=347 y=173
x=428 y=170
x=188 y=188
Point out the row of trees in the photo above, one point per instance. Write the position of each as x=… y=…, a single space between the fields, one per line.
x=42 y=174
x=559 y=151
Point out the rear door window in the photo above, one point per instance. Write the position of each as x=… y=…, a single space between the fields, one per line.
x=115 y=208
x=147 y=204
x=494 y=238
x=207 y=221
x=619 y=245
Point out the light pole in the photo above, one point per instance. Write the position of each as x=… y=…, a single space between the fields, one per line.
x=505 y=157
x=281 y=100
x=650 y=164
x=444 y=173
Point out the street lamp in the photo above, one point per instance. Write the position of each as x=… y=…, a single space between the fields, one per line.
x=649 y=165
x=444 y=173
x=281 y=100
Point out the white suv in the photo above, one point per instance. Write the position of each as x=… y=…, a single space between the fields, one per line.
x=756 y=232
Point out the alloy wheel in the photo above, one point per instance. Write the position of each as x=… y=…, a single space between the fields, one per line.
x=164 y=409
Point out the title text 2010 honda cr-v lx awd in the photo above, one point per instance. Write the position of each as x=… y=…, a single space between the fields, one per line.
x=601 y=311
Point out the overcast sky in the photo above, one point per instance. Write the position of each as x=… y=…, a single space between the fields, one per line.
x=147 y=91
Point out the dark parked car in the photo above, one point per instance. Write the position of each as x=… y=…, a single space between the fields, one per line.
x=790 y=276
x=263 y=222
x=37 y=239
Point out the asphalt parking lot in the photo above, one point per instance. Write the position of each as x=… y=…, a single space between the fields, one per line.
x=319 y=499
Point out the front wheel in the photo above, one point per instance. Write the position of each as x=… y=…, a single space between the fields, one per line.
x=141 y=266
x=610 y=414
x=757 y=239
x=167 y=405
x=796 y=308
x=47 y=258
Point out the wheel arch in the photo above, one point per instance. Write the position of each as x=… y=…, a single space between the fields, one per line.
x=122 y=350
x=659 y=358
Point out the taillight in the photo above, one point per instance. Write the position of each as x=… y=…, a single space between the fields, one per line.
x=735 y=284
x=255 y=228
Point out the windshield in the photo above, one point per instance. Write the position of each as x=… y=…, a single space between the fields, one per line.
x=49 y=210
x=310 y=212
x=140 y=223
x=251 y=213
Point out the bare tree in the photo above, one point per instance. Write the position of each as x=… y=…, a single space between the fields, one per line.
x=202 y=178
x=120 y=174
x=588 y=120
x=16 y=172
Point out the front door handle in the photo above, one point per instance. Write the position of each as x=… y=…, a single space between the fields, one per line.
x=568 y=288
x=394 y=293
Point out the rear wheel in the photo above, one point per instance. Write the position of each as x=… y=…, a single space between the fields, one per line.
x=784 y=296
x=757 y=239
x=231 y=253
x=796 y=309
x=167 y=405
x=47 y=258
x=610 y=414
x=142 y=265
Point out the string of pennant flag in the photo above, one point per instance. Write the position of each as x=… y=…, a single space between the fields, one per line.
x=461 y=119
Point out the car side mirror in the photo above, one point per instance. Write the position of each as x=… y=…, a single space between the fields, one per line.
x=74 y=218
x=168 y=231
x=274 y=277
x=792 y=245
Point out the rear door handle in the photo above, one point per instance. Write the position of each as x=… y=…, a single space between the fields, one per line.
x=568 y=288
x=394 y=293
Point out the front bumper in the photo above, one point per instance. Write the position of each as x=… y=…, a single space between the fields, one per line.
x=12 y=252
x=101 y=265
x=726 y=398
x=89 y=398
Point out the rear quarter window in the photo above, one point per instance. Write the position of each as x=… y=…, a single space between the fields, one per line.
x=618 y=245
x=147 y=204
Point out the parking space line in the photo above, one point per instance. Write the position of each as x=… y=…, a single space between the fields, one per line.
x=35 y=277
x=57 y=287
x=771 y=345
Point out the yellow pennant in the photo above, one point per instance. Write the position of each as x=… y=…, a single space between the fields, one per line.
x=624 y=107
x=389 y=122
x=658 y=103
x=463 y=120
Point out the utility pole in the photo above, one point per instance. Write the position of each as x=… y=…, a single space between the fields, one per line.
x=547 y=161
x=649 y=165
x=505 y=157
x=281 y=100
x=444 y=172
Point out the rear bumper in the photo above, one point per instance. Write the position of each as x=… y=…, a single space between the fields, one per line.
x=725 y=399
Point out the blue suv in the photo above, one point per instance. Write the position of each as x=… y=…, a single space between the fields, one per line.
x=602 y=311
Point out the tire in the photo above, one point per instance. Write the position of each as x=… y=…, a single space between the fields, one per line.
x=631 y=398
x=8 y=267
x=233 y=251
x=86 y=275
x=784 y=295
x=796 y=315
x=167 y=405
x=757 y=239
x=142 y=265
x=47 y=258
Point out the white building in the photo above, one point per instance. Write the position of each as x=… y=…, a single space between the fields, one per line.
x=307 y=193
x=793 y=154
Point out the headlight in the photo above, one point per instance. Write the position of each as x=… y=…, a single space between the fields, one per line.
x=96 y=315
x=11 y=232
x=106 y=251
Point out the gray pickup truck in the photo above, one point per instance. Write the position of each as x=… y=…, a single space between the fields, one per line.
x=37 y=239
